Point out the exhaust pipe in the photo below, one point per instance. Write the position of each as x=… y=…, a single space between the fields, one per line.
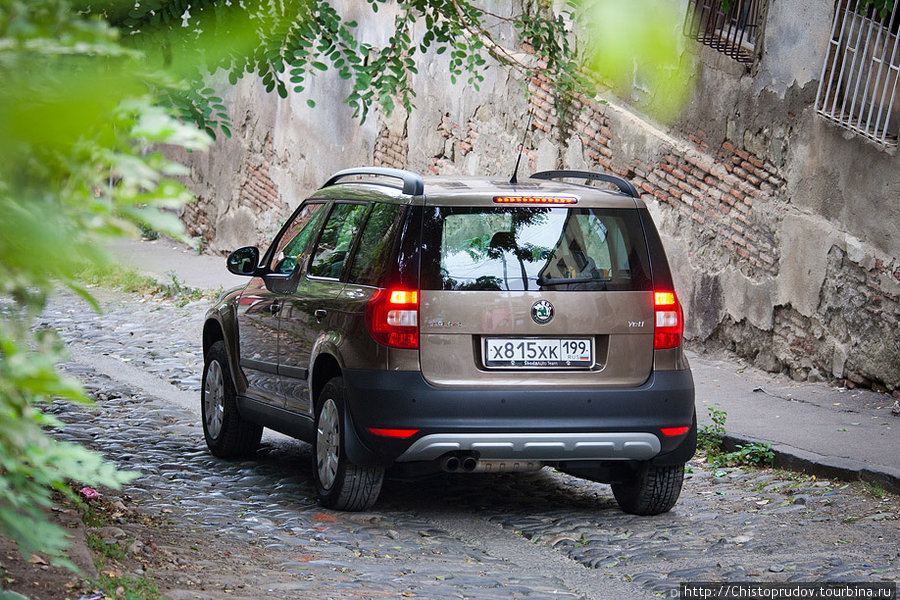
x=469 y=463
x=450 y=463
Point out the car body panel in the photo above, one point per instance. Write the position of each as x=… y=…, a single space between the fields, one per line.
x=454 y=323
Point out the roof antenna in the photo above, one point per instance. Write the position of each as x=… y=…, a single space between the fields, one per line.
x=514 y=179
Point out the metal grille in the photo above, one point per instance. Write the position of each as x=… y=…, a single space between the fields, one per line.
x=731 y=27
x=858 y=89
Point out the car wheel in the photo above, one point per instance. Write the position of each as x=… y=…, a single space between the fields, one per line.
x=650 y=491
x=227 y=434
x=340 y=484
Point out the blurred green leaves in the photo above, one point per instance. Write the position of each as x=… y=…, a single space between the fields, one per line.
x=80 y=128
x=636 y=48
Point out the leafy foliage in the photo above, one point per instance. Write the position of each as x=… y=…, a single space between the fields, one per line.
x=76 y=116
x=287 y=42
x=753 y=455
x=709 y=436
x=881 y=8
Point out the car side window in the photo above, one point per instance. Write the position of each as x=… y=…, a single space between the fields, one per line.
x=370 y=260
x=291 y=244
x=337 y=237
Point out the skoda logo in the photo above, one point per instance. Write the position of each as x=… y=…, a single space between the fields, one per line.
x=542 y=312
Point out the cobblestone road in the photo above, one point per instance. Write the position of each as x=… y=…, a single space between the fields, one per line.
x=541 y=535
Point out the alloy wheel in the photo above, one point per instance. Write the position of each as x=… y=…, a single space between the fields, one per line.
x=328 y=444
x=214 y=399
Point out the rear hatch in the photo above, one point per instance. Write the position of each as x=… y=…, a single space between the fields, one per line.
x=525 y=294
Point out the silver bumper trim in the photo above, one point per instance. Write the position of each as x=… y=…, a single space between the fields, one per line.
x=537 y=446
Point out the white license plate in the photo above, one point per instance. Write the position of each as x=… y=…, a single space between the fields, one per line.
x=531 y=353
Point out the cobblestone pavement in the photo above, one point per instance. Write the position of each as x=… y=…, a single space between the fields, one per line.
x=537 y=535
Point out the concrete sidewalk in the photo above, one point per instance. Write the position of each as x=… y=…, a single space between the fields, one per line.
x=813 y=427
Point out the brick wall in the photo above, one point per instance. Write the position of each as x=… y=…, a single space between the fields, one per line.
x=728 y=203
x=258 y=192
x=391 y=148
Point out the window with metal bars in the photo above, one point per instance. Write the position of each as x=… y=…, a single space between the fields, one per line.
x=730 y=26
x=858 y=89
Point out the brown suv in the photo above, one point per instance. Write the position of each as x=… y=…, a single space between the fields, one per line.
x=463 y=324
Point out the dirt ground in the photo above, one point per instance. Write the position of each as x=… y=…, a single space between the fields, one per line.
x=114 y=545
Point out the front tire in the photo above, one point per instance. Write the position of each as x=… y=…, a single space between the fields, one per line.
x=651 y=490
x=340 y=484
x=227 y=434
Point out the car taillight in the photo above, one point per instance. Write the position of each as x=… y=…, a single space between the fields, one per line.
x=394 y=433
x=674 y=431
x=668 y=330
x=392 y=316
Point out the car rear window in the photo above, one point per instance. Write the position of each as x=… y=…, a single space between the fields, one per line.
x=534 y=248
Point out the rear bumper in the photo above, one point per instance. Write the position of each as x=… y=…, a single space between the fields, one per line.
x=547 y=424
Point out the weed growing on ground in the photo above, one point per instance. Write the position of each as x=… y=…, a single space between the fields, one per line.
x=751 y=455
x=181 y=292
x=127 y=588
x=711 y=436
x=874 y=490
x=118 y=277
x=98 y=544
x=123 y=278
x=91 y=516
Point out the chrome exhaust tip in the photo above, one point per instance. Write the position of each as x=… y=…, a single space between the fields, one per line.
x=450 y=463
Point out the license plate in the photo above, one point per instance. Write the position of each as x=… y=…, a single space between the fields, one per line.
x=536 y=353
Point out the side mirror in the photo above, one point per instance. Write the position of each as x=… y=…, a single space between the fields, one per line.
x=244 y=261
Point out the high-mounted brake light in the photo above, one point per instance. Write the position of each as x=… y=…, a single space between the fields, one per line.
x=668 y=330
x=532 y=200
x=393 y=318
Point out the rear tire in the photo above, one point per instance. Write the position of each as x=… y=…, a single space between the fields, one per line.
x=227 y=434
x=651 y=490
x=340 y=484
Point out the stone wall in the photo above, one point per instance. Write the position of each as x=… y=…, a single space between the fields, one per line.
x=783 y=231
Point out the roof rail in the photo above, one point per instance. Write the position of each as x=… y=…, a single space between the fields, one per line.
x=412 y=182
x=624 y=185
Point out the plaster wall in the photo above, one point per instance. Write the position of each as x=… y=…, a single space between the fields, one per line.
x=783 y=231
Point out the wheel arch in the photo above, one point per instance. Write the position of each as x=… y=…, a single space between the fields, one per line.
x=214 y=331
x=325 y=367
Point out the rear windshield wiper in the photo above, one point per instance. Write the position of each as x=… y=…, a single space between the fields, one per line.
x=562 y=281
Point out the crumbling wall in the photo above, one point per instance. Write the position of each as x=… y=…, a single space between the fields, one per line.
x=783 y=231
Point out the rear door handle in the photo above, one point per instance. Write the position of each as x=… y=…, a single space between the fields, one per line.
x=320 y=314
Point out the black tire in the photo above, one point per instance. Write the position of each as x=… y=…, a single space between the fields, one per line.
x=227 y=434
x=340 y=484
x=651 y=490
